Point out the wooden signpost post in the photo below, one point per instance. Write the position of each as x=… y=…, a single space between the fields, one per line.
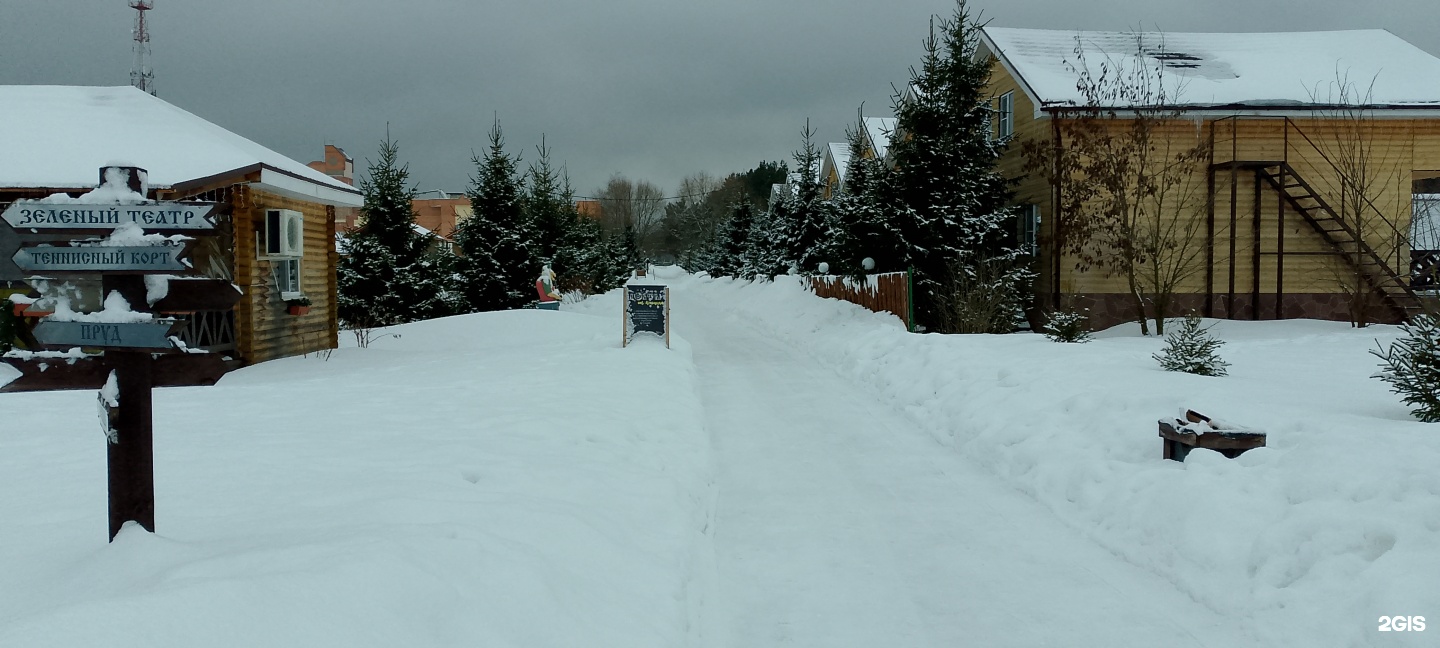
x=138 y=349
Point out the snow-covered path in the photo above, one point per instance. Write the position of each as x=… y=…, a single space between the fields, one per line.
x=838 y=523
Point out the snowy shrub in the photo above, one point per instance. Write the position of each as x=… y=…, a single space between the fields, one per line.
x=1067 y=326
x=1192 y=350
x=1412 y=367
x=982 y=297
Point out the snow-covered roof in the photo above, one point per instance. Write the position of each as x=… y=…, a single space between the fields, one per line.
x=1286 y=69
x=877 y=132
x=837 y=156
x=59 y=136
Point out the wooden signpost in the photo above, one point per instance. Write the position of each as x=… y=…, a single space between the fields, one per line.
x=647 y=310
x=137 y=335
x=94 y=259
x=137 y=353
x=69 y=216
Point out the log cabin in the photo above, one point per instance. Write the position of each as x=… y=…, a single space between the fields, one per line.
x=1282 y=230
x=277 y=216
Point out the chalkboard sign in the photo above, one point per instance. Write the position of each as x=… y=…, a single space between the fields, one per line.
x=647 y=310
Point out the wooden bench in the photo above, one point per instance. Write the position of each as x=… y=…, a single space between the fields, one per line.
x=1179 y=438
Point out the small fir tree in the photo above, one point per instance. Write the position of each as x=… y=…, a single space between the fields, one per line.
x=1192 y=349
x=1412 y=367
x=1067 y=326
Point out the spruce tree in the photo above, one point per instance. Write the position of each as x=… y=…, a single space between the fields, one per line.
x=860 y=227
x=1192 y=349
x=797 y=222
x=1412 y=367
x=548 y=206
x=762 y=242
x=728 y=251
x=499 y=264
x=383 y=280
x=950 y=202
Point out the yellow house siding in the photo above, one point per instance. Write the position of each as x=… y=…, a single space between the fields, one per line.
x=1032 y=189
x=1400 y=150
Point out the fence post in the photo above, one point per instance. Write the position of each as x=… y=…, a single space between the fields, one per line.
x=910 y=298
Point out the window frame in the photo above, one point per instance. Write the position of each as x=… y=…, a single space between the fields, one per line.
x=1027 y=234
x=286 y=270
x=288 y=275
x=1005 y=122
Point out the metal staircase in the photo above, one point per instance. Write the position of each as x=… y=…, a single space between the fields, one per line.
x=1343 y=237
x=1389 y=279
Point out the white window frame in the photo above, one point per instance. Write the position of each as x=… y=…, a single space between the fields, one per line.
x=1028 y=235
x=286 y=270
x=1005 y=108
x=288 y=273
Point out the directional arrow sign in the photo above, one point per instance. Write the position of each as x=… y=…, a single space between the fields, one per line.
x=143 y=335
x=141 y=259
x=40 y=215
x=171 y=370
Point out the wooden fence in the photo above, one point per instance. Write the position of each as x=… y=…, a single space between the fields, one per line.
x=889 y=292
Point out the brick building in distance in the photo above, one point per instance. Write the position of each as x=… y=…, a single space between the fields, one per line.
x=341 y=167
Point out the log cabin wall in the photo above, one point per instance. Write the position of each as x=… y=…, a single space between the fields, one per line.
x=264 y=328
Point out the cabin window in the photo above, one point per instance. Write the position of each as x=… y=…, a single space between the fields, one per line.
x=287 y=277
x=1027 y=238
x=1005 y=114
x=280 y=239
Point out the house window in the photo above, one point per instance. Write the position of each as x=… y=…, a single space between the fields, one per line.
x=281 y=241
x=1027 y=238
x=287 y=277
x=1005 y=114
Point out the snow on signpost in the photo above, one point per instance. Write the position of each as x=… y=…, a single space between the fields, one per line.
x=141 y=237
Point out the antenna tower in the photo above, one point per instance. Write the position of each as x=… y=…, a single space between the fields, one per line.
x=140 y=74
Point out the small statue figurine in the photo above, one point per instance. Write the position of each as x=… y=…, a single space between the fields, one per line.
x=545 y=285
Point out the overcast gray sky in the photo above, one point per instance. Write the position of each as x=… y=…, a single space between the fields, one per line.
x=649 y=88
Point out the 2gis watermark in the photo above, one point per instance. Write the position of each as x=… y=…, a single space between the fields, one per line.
x=1402 y=624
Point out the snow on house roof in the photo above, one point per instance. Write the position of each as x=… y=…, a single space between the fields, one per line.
x=838 y=155
x=878 y=131
x=1252 y=69
x=59 y=136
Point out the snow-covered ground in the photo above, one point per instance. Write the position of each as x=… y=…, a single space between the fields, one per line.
x=795 y=471
x=1304 y=543
x=509 y=479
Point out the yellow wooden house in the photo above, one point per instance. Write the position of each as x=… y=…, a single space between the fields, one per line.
x=1280 y=115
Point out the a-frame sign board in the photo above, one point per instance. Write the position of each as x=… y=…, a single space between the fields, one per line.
x=138 y=352
x=646 y=310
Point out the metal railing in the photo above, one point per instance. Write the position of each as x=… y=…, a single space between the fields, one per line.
x=1348 y=195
